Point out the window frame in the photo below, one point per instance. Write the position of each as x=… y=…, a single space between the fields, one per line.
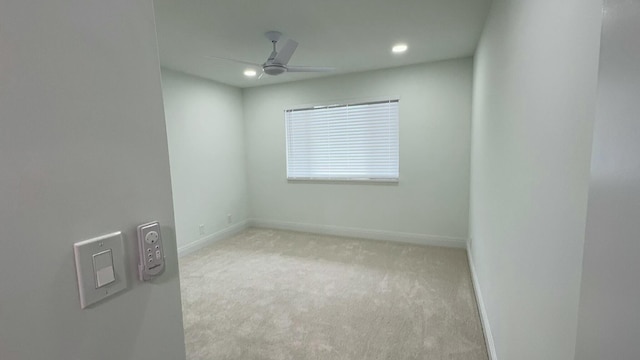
x=341 y=103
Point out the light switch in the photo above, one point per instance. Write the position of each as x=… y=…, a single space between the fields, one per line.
x=100 y=268
x=103 y=268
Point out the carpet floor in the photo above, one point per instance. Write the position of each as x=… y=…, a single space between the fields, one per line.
x=270 y=294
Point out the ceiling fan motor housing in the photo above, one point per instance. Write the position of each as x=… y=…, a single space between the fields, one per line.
x=274 y=69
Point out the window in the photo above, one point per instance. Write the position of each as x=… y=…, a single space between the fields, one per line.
x=343 y=142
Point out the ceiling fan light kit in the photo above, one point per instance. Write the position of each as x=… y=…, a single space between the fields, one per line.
x=277 y=61
x=274 y=69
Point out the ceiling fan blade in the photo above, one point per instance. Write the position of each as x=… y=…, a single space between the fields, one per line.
x=310 y=69
x=234 y=60
x=284 y=55
x=261 y=75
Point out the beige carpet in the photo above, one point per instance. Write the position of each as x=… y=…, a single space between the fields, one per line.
x=268 y=294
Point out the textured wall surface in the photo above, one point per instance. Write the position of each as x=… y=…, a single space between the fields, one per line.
x=83 y=152
x=432 y=197
x=205 y=129
x=609 y=324
x=533 y=111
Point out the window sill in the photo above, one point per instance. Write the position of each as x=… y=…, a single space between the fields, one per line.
x=344 y=181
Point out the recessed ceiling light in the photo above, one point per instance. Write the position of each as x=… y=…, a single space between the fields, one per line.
x=250 y=73
x=399 y=48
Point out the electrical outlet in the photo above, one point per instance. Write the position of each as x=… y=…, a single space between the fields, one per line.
x=229 y=219
x=201 y=229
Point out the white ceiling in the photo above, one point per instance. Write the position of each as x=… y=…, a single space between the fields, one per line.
x=351 y=35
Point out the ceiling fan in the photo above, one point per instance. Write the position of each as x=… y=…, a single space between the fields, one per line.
x=277 y=62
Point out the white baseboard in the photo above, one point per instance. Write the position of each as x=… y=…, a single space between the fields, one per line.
x=210 y=239
x=484 y=318
x=420 y=239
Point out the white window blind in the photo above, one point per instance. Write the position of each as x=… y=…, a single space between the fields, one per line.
x=343 y=142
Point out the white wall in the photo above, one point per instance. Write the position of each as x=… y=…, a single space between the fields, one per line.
x=83 y=152
x=206 y=148
x=534 y=101
x=609 y=325
x=431 y=201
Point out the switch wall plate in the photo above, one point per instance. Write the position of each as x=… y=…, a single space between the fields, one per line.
x=97 y=277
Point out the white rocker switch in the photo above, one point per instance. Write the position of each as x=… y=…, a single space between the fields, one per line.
x=103 y=268
x=100 y=268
